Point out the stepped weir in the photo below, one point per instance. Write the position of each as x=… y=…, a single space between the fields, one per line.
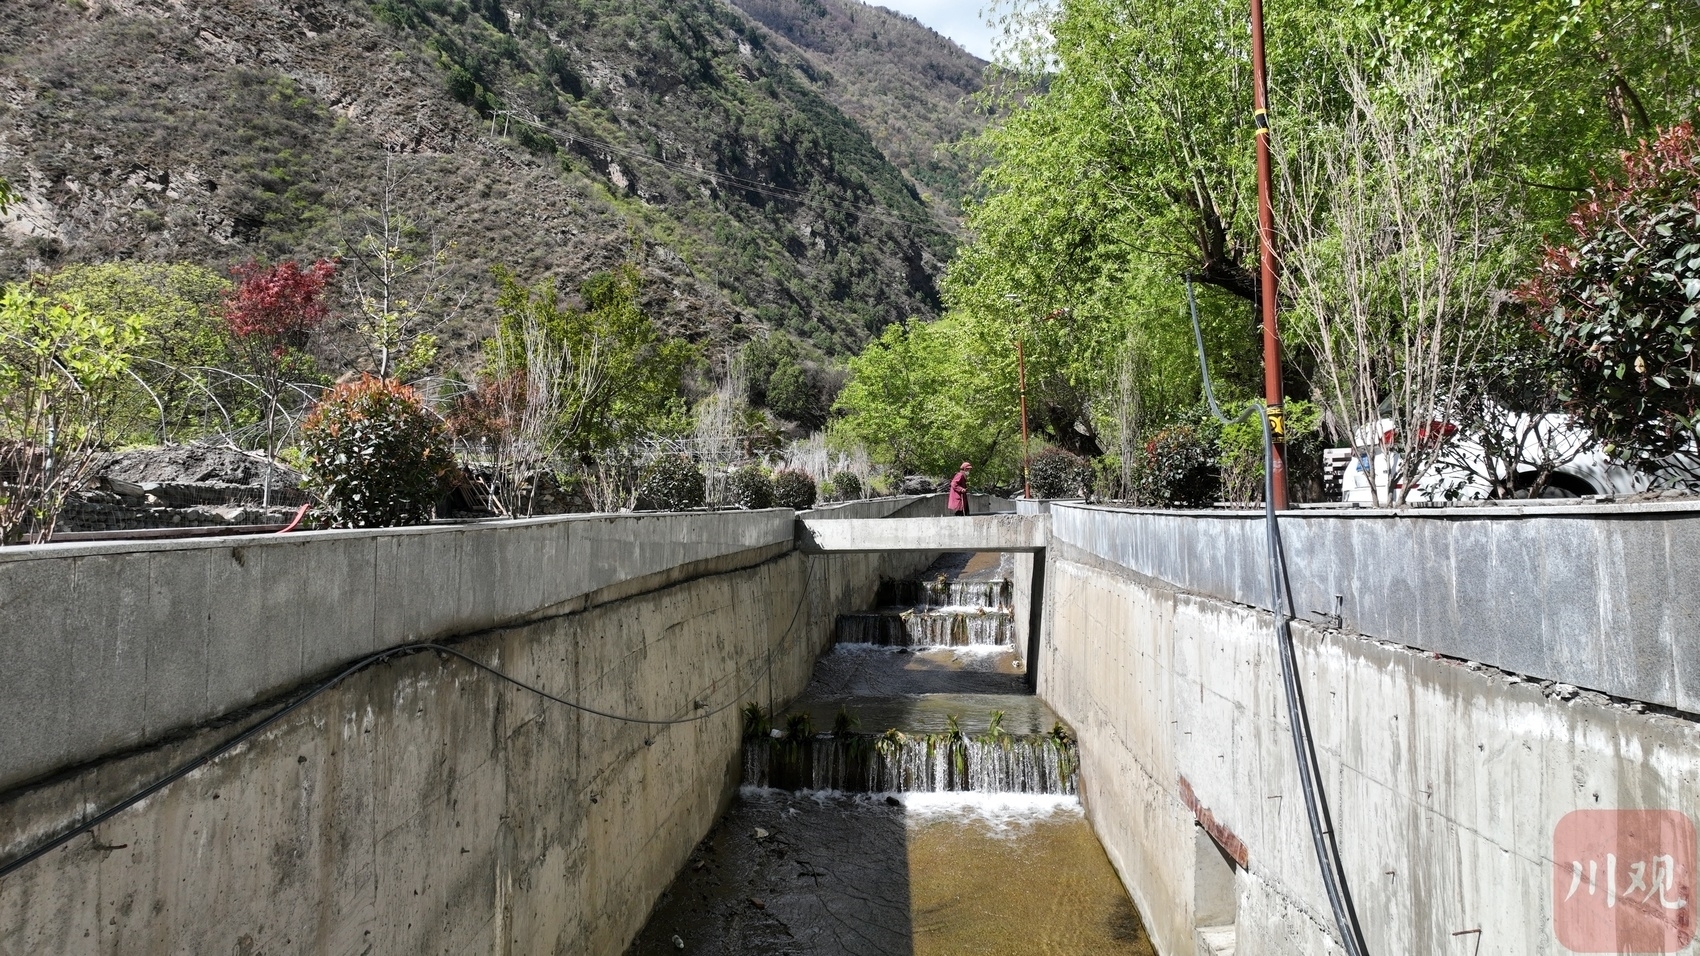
x=919 y=760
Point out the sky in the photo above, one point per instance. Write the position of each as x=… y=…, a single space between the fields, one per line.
x=958 y=19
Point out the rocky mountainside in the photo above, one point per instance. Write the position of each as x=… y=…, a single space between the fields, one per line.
x=908 y=86
x=555 y=137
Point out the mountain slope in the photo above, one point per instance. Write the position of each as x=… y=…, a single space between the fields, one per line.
x=557 y=137
x=905 y=84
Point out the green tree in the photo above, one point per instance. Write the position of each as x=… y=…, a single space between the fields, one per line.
x=1127 y=138
x=1569 y=82
x=59 y=365
x=606 y=372
x=1122 y=162
x=778 y=378
x=176 y=371
x=791 y=395
x=916 y=400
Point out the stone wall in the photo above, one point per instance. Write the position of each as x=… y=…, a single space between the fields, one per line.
x=103 y=511
x=1446 y=778
x=422 y=805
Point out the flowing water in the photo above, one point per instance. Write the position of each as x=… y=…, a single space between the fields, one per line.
x=916 y=799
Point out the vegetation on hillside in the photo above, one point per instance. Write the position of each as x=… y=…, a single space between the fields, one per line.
x=584 y=235
x=612 y=251
x=911 y=89
x=559 y=137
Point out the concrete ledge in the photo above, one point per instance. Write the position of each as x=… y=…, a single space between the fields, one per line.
x=113 y=646
x=995 y=532
x=874 y=508
x=905 y=506
x=1602 y=597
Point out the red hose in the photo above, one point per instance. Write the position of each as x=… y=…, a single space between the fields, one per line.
x=298 y=516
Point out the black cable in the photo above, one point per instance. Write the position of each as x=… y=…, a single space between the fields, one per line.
x=1298 y=719
x=53 y=843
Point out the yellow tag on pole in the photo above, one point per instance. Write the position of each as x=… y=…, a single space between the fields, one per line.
x=1277 y=424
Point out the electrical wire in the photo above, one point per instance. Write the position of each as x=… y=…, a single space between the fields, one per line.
x=59 y=840
x=1298 y=719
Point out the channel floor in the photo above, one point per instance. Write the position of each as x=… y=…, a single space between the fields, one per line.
x=938 y=873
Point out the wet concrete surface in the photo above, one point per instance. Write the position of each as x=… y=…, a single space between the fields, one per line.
x=868 y=670
x=790 y=873
x=931 y=713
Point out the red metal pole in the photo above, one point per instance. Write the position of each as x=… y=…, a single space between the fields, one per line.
x=1272 y=389
x=1021 y=377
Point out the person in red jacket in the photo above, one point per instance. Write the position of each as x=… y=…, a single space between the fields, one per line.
x=958 y=501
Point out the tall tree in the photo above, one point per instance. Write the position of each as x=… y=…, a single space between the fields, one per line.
x=177 y=370
x=1570 y=82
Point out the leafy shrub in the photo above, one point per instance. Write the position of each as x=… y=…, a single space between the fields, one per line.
x=794 y=490
x=846 y=486
x=789 y=394
x=1054 y=473
x=375 y=455
x=60 y=365
x=1177 y=469
x=1241 y=454
x=672 y=483
x=1623 y=302
x=752 y=488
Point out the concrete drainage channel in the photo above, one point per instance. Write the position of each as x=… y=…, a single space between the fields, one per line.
x=1528 y=670
x=915 y=799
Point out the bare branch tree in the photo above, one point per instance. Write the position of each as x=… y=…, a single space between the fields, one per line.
x=1391 y=259
x=398 y=278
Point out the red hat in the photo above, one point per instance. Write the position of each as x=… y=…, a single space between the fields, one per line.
x=966 y=466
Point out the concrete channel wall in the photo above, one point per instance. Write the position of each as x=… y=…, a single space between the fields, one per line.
x=1447 y=779
x=422 y=805
x=1602 y=597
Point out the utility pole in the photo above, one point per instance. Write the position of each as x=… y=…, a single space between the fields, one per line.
x=1266 y=287
x=1021 y=379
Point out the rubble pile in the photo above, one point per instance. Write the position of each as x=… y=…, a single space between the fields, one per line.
x=181 y=486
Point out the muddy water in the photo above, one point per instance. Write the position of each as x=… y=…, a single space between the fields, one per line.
x=939 y=875
x=946 y=873
x=990 y=879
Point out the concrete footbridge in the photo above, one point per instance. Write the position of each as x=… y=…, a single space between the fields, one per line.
x=1021 y=533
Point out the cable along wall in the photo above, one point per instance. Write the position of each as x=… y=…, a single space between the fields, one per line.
x=423 y=800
